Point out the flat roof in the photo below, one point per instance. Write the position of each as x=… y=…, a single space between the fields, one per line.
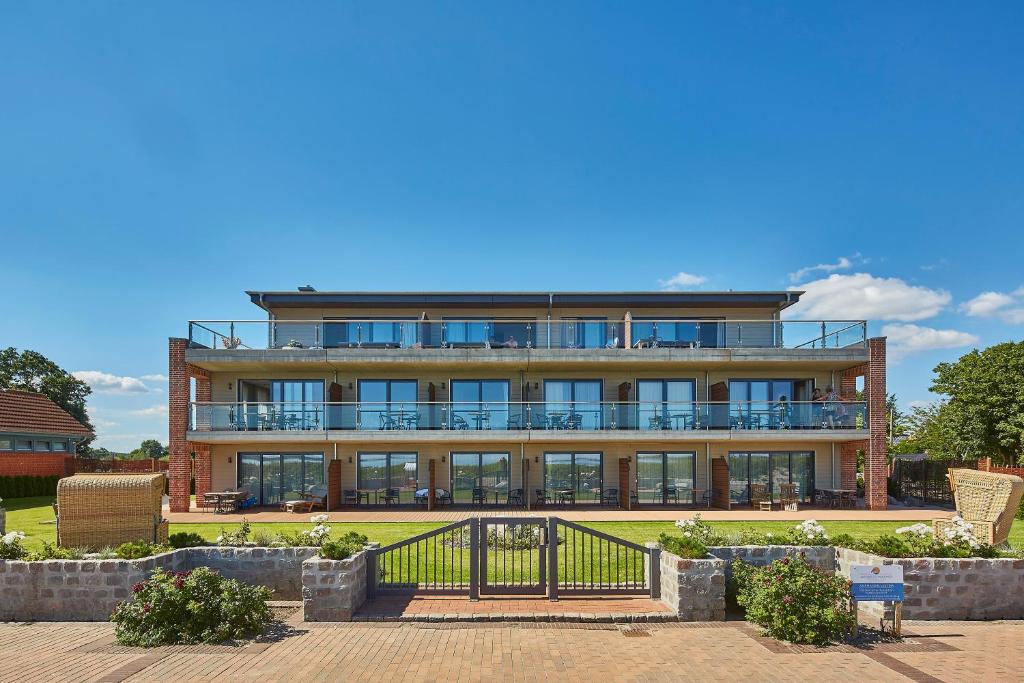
x=777 y=300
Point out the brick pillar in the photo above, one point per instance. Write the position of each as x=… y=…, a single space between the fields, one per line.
x=876 y=467
x=180 y=469
x=848 y=463
x=203 y=469
x=624 y=485
x=431 y=483
x=334 y=484
x=985 y=464
x=848 y=382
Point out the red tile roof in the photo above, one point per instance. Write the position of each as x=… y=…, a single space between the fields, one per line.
x=27 y=411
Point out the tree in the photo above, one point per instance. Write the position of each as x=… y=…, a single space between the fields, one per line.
x=150 y=448
x=897 y=422
x=984 y=415
x=930 y=431
x=32 y=371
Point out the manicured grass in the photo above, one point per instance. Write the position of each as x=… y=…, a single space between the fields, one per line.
x=34 y=516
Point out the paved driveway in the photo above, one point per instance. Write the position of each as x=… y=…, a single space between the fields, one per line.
x=949 y=651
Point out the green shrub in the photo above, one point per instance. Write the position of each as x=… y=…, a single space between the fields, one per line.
x=200 y=606
x=11 y=547
x=26 y=486
x=186 y=539
x=138 y=549
x=342 y=548
x=1020 y=509
x=55 y=552
x=791 y=600
x=236 y=538
x=686 y=547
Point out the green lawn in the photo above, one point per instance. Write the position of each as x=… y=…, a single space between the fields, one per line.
x=34 y=516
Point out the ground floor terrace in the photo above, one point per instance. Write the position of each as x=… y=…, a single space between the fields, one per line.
x=930 y=651
x=646 y=476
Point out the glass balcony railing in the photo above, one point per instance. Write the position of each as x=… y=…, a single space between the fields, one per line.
x=549 y=416
x=288 y=335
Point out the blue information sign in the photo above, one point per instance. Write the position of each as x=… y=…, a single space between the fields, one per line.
x=872 y=583
x=870 y=592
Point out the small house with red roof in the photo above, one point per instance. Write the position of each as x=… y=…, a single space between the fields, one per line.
x=37 y=437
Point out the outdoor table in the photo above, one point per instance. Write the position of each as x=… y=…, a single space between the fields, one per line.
x=366 y=493
x=225 y=501
x=566 y=496
x=676 y=417
x=478 y=416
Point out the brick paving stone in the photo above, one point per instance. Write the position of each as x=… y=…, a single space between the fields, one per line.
x=533 y=651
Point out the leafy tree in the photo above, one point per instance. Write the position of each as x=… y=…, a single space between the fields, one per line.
x=32 y=371
x=931 y=432
x=150 y=448
x=984 y=416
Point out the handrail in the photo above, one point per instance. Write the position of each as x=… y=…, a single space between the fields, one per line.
x=436 y=321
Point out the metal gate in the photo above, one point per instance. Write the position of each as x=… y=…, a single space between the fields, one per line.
x=513 y=556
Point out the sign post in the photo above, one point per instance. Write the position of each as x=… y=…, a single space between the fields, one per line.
x=878 y=583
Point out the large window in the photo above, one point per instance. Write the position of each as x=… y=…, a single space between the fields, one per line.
x=679 y=332
x=666 y=478
x=579 y=473
x=388 y=404
x=270 y=404
x=380 y=472
x=665 y=404
x=481 y=404
x=275 y=477
x=769 y=403
x=572 y=404
x=488 y=472
x=588 y=333
x=394 y=332
x=480 y=332
x=771 y=469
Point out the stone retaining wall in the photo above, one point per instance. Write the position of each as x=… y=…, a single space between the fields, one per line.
x=693 y=589
x=332 y=590
x=88 y=590
x=940 y=589
x=819 y=556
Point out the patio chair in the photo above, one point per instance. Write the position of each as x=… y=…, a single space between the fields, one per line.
x=479 y=497
x=610 y=497
x=514 y=497
x=789 y=499
x=443 y=498
x=761 y=497
x=672 y=494
x=315 y=497
x=986 y=500
x=350 y=497
x=391 y=496
x=634 y=499
x=706 y=498
x=541 y=496
x=459 y=423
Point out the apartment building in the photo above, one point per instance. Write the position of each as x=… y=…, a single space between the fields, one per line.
x=526 y=399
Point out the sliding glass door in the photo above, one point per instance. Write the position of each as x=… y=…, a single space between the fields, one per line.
x=276 y=477
x=573 y=404
x=580 y=473
x=380 y=472
x=486 y=471
x=481 y=404
x=771 y=469
x=665 y=404
x=666 y=478
x=386 y=404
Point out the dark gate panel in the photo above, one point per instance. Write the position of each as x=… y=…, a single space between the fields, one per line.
x=583 y=560
x=440 y=561
x=513 y=555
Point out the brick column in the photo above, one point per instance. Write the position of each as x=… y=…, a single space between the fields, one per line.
x=203 y=463
x=180 y=469
x=876 y=468
x=334 y=484
x=848 y=463
x=848 y=381
x=431 y=483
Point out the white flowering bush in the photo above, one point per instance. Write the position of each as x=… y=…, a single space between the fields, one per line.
x=809 y=532
x=960 y=533
x=236 y=538
x=11 y=547
x=919 y=540
x=699 y=530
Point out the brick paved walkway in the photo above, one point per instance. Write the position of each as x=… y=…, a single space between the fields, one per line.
x=507 y=608
x=933 y=651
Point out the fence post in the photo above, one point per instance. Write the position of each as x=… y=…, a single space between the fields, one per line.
x=552 y=558
x=655 y=573
x=371 y=573
x=474 y=559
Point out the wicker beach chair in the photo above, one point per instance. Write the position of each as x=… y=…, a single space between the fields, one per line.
x=105 y=510
x=987 y=500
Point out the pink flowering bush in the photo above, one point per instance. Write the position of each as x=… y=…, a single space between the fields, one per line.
x=791 y=600
x=183 y=608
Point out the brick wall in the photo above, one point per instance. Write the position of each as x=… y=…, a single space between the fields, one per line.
x=876 y=463
x=848 y=462
x=22 y=464
x=985 y=465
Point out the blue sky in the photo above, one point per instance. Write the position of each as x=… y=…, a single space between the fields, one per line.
x=160 y=158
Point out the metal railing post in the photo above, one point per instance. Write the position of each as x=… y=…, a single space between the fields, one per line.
x=371 y=573
x=475 y=559
x=552 y=558
x=655 y=573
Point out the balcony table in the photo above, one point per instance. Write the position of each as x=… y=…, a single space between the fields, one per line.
x=224 y=501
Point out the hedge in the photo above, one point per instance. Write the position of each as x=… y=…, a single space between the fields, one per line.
x=25 y=486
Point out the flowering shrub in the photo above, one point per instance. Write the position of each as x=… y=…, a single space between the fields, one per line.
x=315 y=537
x=919 y=540
x=793 y=601
x=200 y=606
x=699 y=530
x=11 y=547
x=809 y=532
x=238 y=537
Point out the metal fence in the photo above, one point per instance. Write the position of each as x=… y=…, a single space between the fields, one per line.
x=925 y=480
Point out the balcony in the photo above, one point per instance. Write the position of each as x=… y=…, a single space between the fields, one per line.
x=292 y=335
x=295 y=418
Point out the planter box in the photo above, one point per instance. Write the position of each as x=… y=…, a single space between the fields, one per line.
x=332 y=590
x=279 y=569
x=818 y=556
x=941 y=589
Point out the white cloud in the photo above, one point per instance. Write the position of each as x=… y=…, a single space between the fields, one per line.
x=680 y=280
x=1007 y=307
x=905 y=340
x=842 y=264
x=986 y=304
x=154 y=378
x=862 y=296
x=160 y=409
x=105 y=383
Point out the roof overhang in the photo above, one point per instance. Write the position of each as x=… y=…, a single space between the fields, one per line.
x=776 y=300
